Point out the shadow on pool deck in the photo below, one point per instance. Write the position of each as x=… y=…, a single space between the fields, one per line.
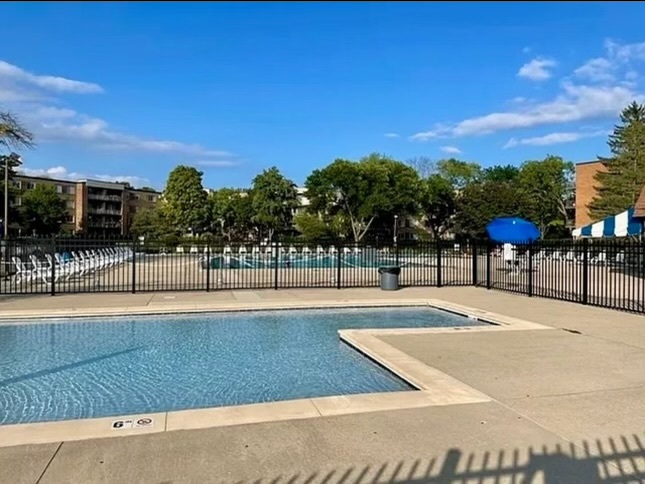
x=560 y=464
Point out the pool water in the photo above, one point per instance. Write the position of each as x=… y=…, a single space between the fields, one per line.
x=297 y=261
x=95 y=368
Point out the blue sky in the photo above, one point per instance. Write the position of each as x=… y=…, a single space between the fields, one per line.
x=129 y=90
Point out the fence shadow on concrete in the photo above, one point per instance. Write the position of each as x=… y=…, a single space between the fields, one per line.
x=611 y=460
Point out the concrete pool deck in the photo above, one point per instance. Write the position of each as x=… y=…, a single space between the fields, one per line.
x=566 y=402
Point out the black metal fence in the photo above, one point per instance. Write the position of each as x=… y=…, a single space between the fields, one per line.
x=609 y=273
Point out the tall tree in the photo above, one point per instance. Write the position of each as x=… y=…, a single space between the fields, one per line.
x=459 y=173
x=151 y=223
x=274 y=201
x=481 y=202
x=231 y=213
x=619 y=186
x=499 y=173
x=544 y=187
x=13 y=136
x=437 y=203
x=185 y=200
x=423 y=165
x=374 y=187
x=43 y=211
x=13 y=162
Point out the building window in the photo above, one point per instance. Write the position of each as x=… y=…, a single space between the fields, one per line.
x=69 y=219
x=18 y=201
x=151 y=198
x=31 y=185
x=70 y=204
x=19 y=185
x=71 y=190
x=59 y=189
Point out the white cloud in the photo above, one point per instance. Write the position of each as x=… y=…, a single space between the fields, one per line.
x=62 y=173
x=574 y=103
x=612 y=65
x=537 y=69
x=598 y=69
x=553 y=138
x=451 y=150
x=391 y=135
x=14 y=74
x=29 y=95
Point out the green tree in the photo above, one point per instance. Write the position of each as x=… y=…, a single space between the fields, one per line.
x=13 y=135
x=274 y=201
x=458 y=173
x=186 y=204
x=437 y=203
x=231 y=213
x=311 y=226
x=151 y=223
x=619 y=186
x=374 y=187
x=43 y=211
x=498 y=173
x=423 y=165
x=481 y=202
x=544 y=187
x=13 y=162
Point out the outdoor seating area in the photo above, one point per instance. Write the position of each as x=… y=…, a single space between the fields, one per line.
x=67 y=265
x=517 y=257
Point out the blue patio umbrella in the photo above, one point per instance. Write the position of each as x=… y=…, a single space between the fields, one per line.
x=512 y=230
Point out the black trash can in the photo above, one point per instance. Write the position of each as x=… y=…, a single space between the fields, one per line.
x=389 y=277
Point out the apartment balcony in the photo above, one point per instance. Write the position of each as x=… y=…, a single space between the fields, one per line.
x=104 y=211
x=104 y=224
x=104 y=197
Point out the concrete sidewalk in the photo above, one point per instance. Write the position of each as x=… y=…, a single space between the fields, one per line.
x=566 y=407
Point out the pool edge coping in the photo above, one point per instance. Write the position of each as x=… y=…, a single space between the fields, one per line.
x=435 y=388
x=22 y=316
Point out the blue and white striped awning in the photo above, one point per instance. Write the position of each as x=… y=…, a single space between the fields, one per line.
x=621 y=225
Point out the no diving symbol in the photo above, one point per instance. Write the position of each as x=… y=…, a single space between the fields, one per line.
x=143 y=422
x=130 y=423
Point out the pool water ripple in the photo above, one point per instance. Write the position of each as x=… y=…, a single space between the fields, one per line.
x=119 y=366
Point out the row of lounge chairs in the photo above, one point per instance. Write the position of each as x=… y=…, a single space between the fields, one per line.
x=67 y=265
x=269 y=250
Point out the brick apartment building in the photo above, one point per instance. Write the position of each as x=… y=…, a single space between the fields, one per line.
x=586 y=190
x=93 y=207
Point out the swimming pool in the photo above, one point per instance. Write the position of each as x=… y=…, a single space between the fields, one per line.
x=119 y=366
x=298 y=261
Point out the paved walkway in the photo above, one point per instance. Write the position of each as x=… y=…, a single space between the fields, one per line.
x=568 y=405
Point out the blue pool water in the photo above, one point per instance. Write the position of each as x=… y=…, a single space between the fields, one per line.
x=95 y=368
x=299 y=261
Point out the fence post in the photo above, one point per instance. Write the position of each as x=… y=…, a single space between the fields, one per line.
x=275 y=260
x=475 y=260
x=53 y=268
x=134 y=265
x=338 y=266
x=585 y=271
x=208 y=267
x=488 y=261
x=530 y=250
x=438 y=263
